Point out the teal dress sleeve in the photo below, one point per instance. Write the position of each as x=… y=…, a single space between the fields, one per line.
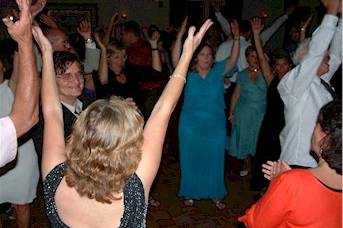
x=231 y=72
x=219 y=67
x=240 y=76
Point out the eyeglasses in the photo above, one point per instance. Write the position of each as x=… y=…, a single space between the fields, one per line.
x=70 y=76
x=117 y=56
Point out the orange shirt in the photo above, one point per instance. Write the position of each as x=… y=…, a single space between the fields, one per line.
x=296 y=199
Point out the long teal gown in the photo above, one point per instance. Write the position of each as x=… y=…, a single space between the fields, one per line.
x=202 y=136
x=248 y=115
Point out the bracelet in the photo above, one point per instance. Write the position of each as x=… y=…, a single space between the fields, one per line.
x=236 y=38
x=154 y=49
x=178 y=76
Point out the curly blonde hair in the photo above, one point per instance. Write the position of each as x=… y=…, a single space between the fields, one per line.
x=104 y=149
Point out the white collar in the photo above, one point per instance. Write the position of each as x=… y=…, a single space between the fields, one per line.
x=76 y=109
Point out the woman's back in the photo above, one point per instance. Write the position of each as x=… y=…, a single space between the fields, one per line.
x=77 y=211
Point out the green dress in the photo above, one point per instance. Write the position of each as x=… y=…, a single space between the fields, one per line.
x=248 y=115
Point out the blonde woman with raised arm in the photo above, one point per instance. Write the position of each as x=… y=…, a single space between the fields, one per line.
x=101 y=177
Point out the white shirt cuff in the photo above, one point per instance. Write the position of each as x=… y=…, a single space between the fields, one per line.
x=330 y=20
x=8 y=141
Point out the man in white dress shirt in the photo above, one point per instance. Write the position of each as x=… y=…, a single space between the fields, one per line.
x=224 y=49
x=303 y=91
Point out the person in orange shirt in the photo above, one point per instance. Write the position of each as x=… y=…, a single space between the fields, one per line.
x=306 y=197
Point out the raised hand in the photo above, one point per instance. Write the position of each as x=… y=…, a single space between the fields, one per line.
x=153 y=40
x=182 y=29
x=235 y=29
x=332 y=6
x=109 y=32
x=290 y=9
x=193 y=40
x=307 y=22
x=43 y=43
x=114 y=19
x=271 y=169
x=256 y=25
x=85 y=29
x=20 y=31
x=48 y=20
x=37 y=7
x=98 y=40
x=216 y=4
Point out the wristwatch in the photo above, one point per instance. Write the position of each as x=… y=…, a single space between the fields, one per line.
x=89 y=41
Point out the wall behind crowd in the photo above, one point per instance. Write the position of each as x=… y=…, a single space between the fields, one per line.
x=144 y=11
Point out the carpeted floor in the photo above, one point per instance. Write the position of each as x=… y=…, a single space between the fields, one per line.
x=172 y=212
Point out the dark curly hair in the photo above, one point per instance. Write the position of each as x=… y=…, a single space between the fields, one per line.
x=330 y=120
x=63 y=60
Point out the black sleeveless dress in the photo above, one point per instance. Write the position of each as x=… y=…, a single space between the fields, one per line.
x=268 y=144
x=135 y=208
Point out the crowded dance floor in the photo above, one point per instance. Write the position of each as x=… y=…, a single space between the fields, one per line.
x=162 y=113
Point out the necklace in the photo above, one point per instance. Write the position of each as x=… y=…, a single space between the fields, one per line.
x=121 y=78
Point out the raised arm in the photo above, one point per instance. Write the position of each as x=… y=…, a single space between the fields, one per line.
x=155 y=128
x=91 y=52
x=48 y=21
x=270 y=31
x=25 y=108
x=37 y=7
x=176 y=50
x=103 y=65
x=336 y=54
x=53 y=139
x=232 y=60
x=224 y=24
x=15 y=73
x=111 y=25
x=298 y=80
x=256 y=27
x=303 y=29
x=156 y=59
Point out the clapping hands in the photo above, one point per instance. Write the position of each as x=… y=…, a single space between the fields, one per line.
x=271 y=169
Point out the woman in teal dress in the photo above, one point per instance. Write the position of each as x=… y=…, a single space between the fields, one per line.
x=202 y=129
x=248 y=104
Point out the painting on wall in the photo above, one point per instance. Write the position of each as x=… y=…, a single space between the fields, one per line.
x=70 y=15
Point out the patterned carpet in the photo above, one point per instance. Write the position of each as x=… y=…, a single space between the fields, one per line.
x=172 y=212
